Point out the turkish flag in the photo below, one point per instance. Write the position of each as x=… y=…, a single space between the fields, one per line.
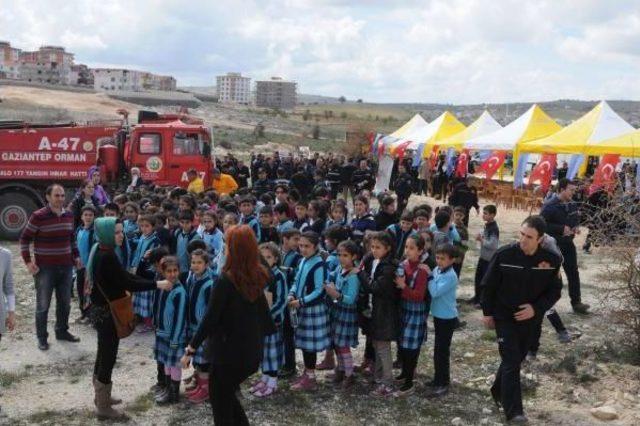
x=605 y=174
x=401 y=148
x=493 y=163
x=463 y=163
x=543 y=171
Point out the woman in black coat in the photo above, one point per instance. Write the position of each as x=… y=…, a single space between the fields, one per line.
x=107 y=281
x=84 y=197
x=236 y=321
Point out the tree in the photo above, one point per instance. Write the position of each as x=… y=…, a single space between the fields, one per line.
x=343 y=115
x=306 y=115
x=359 y=101
x=342 y=99
x=315 y=134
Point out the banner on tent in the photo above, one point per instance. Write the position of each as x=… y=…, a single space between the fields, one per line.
x=383 y=178
x=463 y=163
x=605 y=174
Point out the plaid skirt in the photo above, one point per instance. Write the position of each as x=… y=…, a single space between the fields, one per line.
x=273 y=353
x=143 y=303
x=312 y=334
x=165 y=354
x=200 y=357
x=414 y=324
x=344 y=325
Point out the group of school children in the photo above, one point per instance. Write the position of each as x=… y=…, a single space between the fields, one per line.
x=336 y=274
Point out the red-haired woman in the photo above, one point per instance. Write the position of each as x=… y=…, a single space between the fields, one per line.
x=236 y=321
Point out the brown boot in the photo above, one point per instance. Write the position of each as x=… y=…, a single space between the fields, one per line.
x=113 y=400
x=104 y=410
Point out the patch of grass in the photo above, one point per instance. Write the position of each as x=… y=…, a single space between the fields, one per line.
x=141 y=404
x=488 y=336
x=8 y=378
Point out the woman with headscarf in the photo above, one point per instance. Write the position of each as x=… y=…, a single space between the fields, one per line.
x=107 y=281
x=236 y=321
x=99 y=192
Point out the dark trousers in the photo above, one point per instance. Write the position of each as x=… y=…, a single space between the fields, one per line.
x=310 y=360
x=570 y=266
x=402 y=204
x=108 y=343
x=224 y=382
x=48 y=280
x=289 y=343
x=409 y=359
x=369 y=352
x=514 y=339
x=555 y=321
x=481 y=269
x=80 y=274
x=441 y=349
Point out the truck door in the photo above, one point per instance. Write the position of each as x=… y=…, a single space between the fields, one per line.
x=186 y=153
x=147 y=154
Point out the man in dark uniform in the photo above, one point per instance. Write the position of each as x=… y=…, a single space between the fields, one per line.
x=561 y=214
x=520 y=285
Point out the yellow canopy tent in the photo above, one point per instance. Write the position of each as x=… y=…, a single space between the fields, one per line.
x=483 y=125
x=599 y=124
x=421 y=138
x=533 y=124
x=627 y=145
x=415 y=123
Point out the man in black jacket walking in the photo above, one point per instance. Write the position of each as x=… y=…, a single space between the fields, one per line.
x=561 y=214
x=520 y=285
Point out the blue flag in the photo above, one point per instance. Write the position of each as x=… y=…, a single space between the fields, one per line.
x=575 y=162
x=518 y=177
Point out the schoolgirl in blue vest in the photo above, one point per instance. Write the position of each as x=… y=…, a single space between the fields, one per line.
x=143 y=301
x=362 y=221
x=199 y=284
x=211 y=234
x=332 y=237
x=171 y=331
x=306 y=300
x=248 y=217
x=184 y=235
x=338 y=214
x=84 y=240
x=273 y=355
x=412 y=282
x=401 y=231
x=229 y=220
x=130 y=223
x=343 y=290
x=291 y=258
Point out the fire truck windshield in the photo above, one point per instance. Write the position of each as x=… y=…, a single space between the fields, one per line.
x=188 y=144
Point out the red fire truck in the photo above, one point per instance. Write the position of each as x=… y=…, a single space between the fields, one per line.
x=32 y=156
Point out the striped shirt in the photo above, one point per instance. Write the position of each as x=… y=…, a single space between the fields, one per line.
x=53 y=237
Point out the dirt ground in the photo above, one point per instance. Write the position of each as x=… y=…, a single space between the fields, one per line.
x=561 y=387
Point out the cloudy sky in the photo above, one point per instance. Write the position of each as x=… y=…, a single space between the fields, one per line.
x=457 y=51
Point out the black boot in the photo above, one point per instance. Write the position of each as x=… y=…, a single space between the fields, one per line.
x=162 y=391
x=160 y=386
x=171 y=396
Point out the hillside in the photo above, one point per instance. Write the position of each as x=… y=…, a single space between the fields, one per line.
x=235 y=126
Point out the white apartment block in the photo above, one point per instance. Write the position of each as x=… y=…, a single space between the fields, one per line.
x=233 y=88
x=9 y=61
x=114 y=79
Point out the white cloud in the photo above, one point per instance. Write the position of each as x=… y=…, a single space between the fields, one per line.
x=397 y=51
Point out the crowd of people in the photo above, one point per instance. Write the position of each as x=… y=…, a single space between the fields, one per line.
x=336 y=274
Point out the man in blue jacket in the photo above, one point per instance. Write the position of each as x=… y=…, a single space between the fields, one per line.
x=561 y=214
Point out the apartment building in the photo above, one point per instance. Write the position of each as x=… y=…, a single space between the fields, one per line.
x=9 y=61
x=48 y=64
x=233 y=88
x=276 y=93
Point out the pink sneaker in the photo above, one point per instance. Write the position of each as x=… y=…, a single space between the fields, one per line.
x=257 y=386
x=266 y=391
x=305 y=383
x=202 y=393
x=328 y=363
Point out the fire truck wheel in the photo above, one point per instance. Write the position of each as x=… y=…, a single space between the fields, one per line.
x=15 y=210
